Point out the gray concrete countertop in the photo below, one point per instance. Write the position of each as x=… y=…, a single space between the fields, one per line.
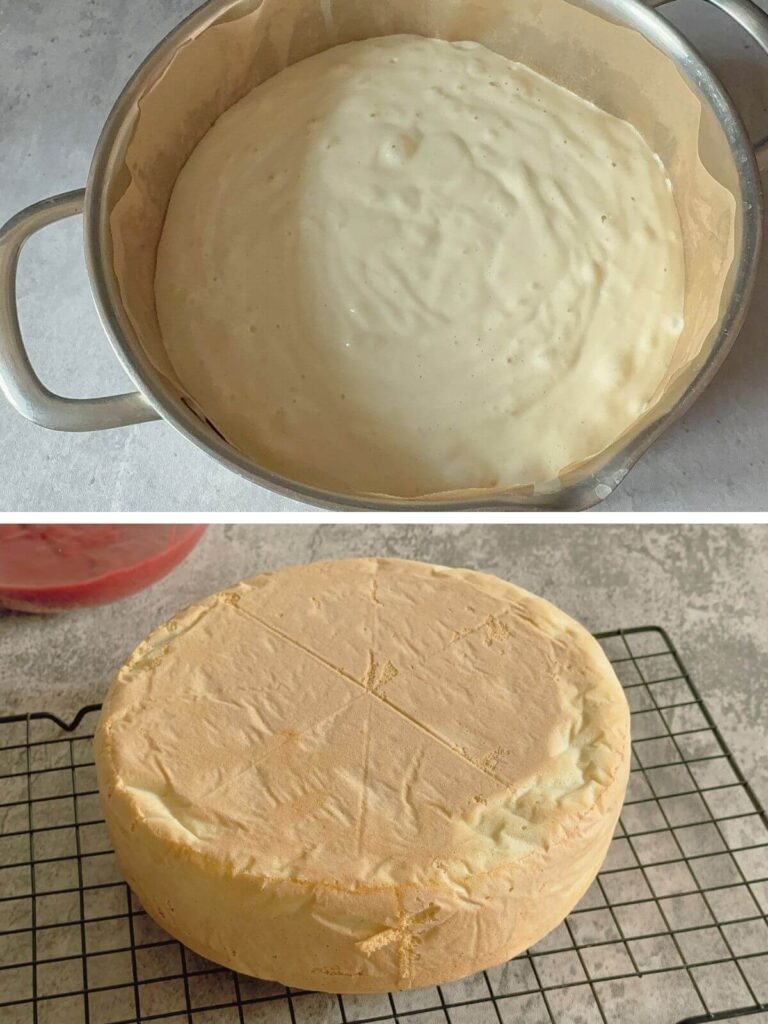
x=708 y=586
x=62 y=64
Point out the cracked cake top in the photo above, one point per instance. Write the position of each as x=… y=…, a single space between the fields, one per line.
x=365 y=724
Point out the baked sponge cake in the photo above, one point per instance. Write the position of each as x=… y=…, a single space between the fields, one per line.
x=364 y=775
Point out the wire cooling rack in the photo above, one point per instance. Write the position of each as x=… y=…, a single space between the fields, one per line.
x=673 y=929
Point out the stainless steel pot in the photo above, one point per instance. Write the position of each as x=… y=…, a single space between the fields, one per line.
x=153 y=399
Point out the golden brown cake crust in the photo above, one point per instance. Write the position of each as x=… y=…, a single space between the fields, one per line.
x=363 y=775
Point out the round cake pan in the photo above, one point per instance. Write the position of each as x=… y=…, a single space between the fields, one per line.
x=154 y=399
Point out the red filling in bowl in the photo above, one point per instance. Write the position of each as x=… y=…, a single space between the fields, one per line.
x=51 y=568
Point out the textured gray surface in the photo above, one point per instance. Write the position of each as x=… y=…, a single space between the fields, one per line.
x=708 y=586
x=62 y=64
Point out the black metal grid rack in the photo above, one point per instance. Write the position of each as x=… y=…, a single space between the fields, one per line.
x=673 y=929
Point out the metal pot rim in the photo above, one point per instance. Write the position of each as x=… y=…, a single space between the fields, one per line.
x=586 y=492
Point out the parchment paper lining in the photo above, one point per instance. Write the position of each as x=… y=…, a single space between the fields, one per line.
x=615 y=67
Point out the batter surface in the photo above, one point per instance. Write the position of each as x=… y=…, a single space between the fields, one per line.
x=408 y=266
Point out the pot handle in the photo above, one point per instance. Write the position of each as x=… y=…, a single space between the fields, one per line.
x=754 y=21
x=18 y=380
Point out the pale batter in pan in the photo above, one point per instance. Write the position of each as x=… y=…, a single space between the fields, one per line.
x=409 y=266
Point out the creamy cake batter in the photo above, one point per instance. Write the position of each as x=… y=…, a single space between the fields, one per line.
x=409 y=266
